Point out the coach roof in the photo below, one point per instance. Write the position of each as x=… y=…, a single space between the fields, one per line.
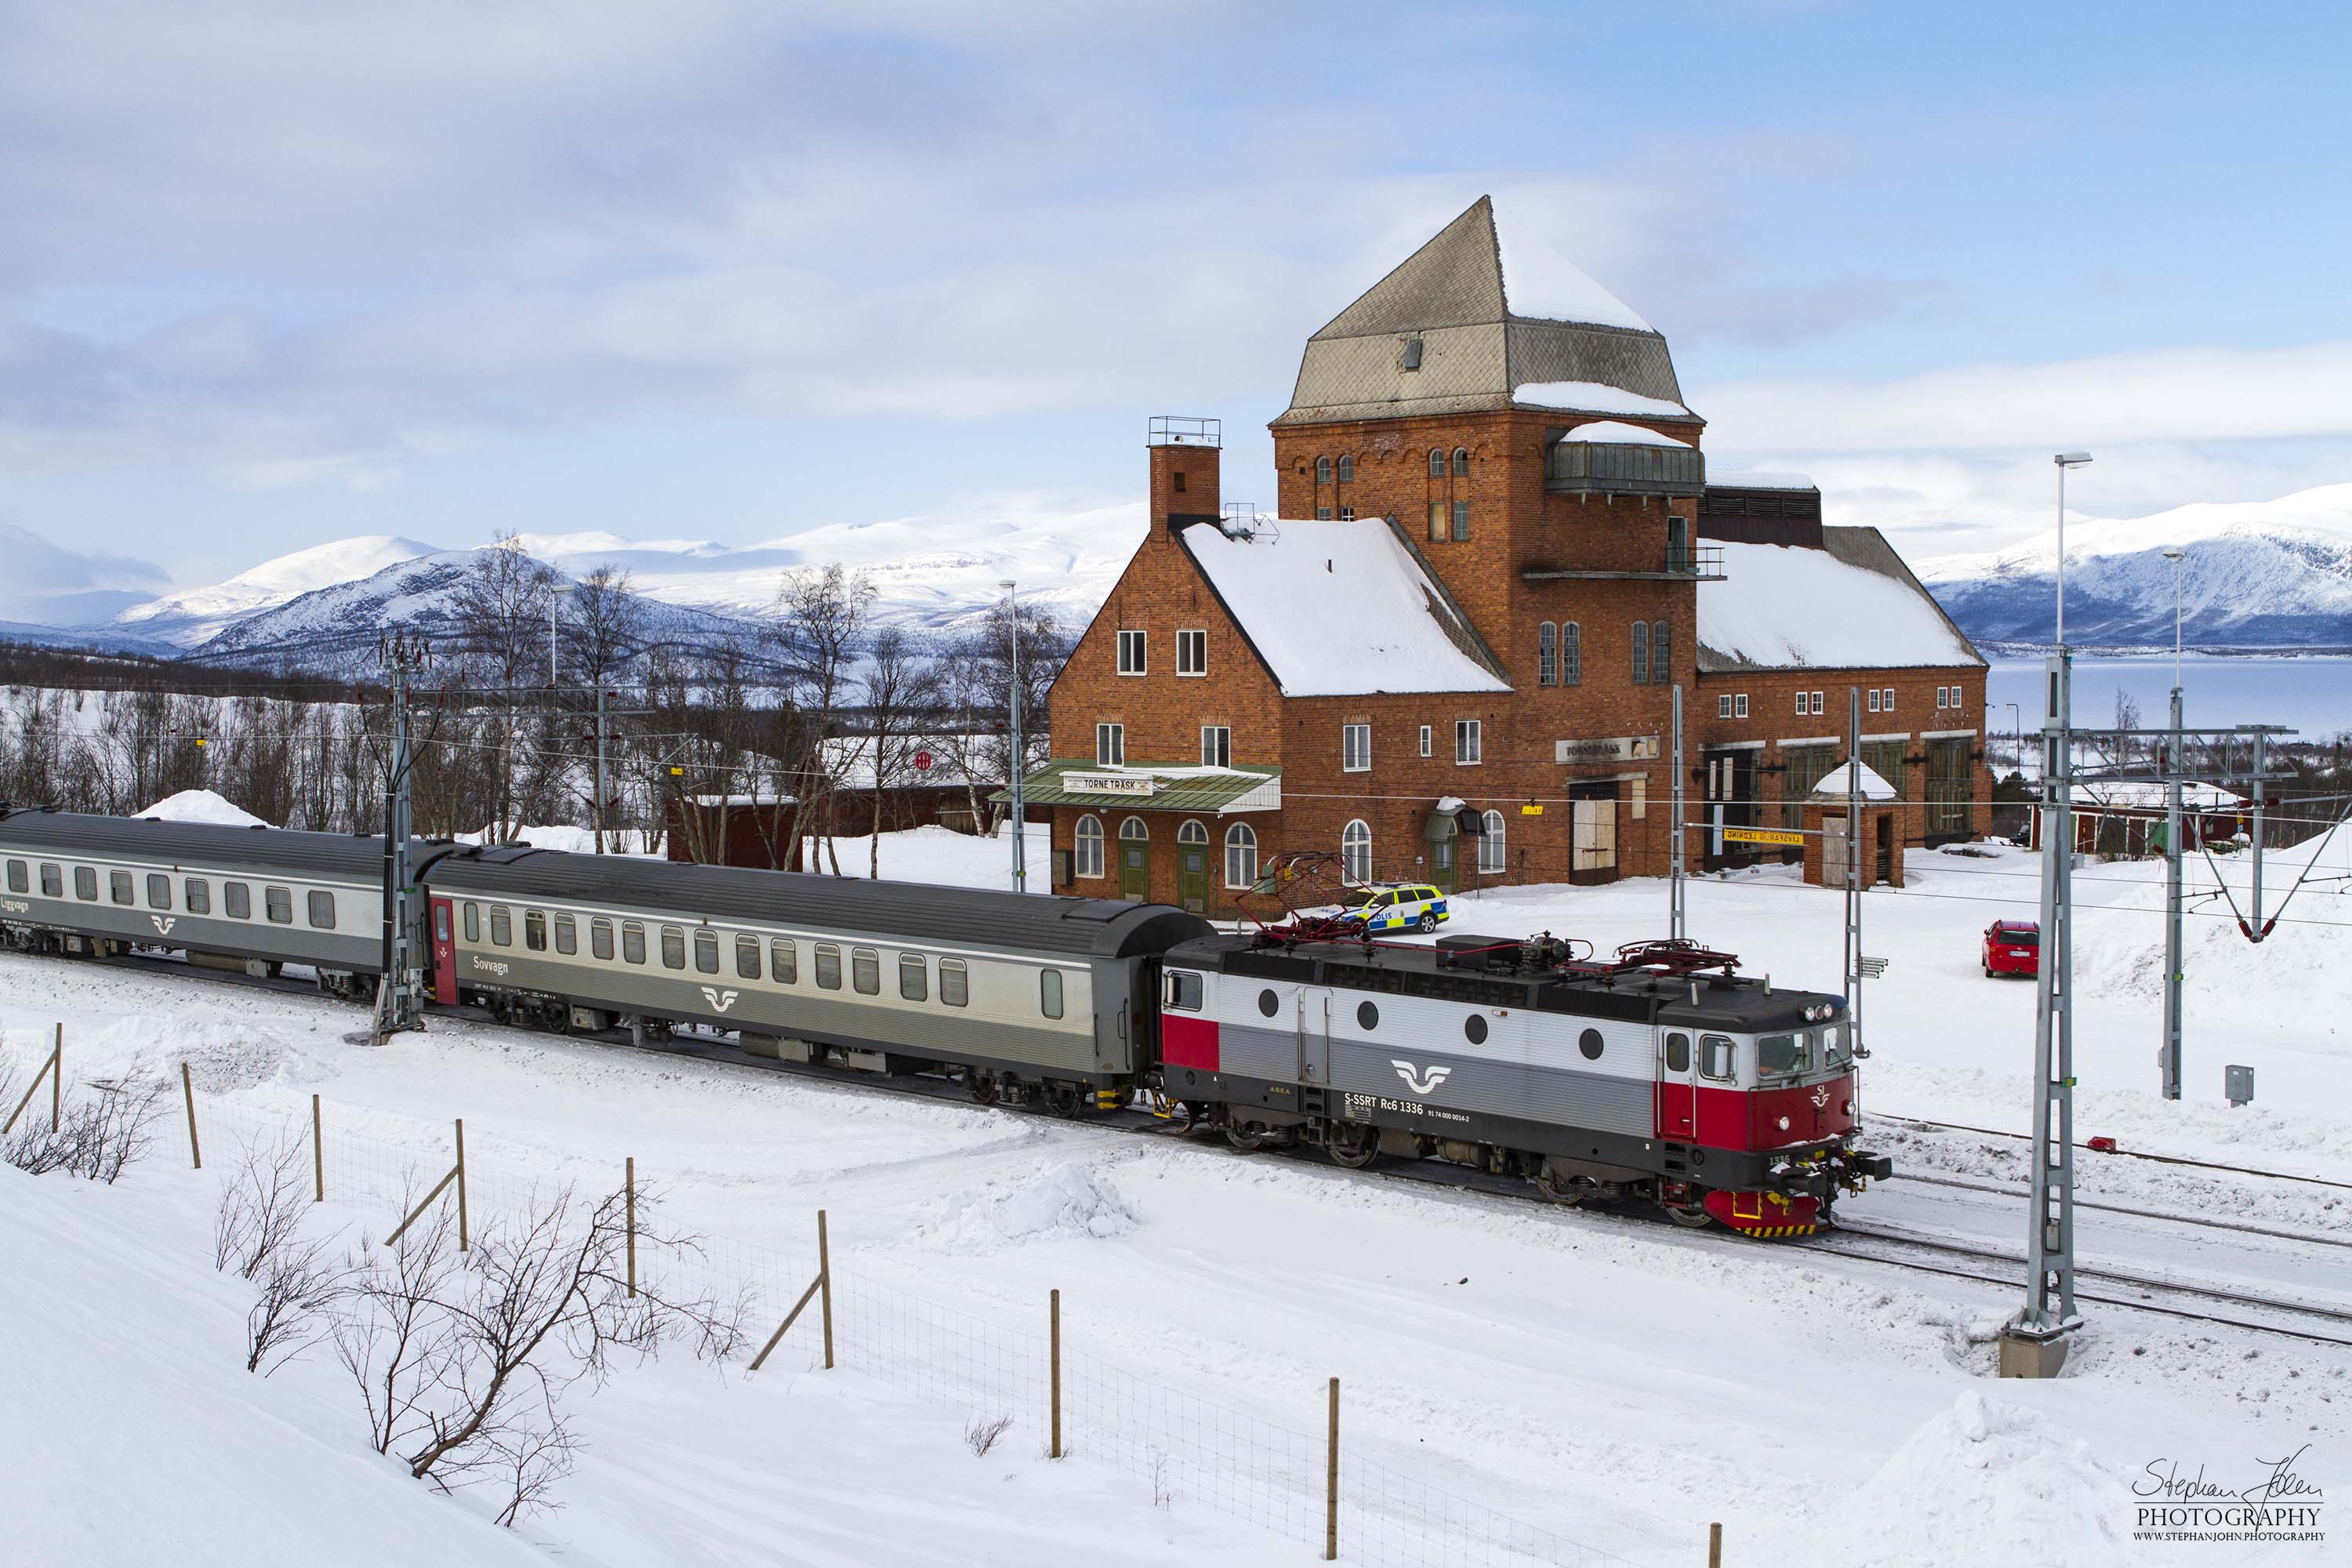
x=210 y=844
x=887 y=911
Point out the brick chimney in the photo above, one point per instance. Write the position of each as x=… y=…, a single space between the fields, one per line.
x=1185 y=455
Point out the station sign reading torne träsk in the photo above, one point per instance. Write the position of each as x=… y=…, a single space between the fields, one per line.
x=1607 y=749
x=1110 y=783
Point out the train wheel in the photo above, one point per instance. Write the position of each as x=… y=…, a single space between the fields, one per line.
x=1693 y=1215
x=980 y=1085
x=1352 y=1144
x=1243 y=1137
x=1557 y=1188
x=1066 y=1099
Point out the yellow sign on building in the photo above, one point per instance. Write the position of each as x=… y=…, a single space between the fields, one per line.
x=1762 y=835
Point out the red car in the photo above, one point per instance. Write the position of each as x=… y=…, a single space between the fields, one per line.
x=2012 y=947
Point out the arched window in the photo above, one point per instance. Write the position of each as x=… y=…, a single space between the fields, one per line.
x=1356 y=851
x=1640 y=653
x=1191 y=832
x=1322 y=470
x=1089 y=841
x=1133 y=830
x=1437 y=462
x=1241 y=855
x=1571 y=654
x=1490 y=844
x=1546 y=655
x=1662 y=663
x=1346 y=470
x=1461 y=462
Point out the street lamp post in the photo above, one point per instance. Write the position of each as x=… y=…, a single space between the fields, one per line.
x=2169 y=1050
x=1020 y=756
x=2016 y=735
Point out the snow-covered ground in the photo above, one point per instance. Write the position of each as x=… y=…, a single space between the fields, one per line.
x=1614 y=1383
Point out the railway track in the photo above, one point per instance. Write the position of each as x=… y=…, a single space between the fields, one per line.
x=2121 y=1153
x=1860 y=1243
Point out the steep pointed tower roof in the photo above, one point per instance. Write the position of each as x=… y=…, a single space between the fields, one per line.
x=1482 y=310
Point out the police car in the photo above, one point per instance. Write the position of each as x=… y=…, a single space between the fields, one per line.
x=1390 y=906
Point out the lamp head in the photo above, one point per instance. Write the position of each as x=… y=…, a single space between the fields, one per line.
x=2071 y=459
x=2174 y=552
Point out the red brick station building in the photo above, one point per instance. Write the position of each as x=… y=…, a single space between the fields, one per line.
x=1452 y=655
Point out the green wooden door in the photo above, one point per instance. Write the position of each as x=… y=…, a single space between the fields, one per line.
x=1134 y=870
x=1440 y=863
x=1192 y=877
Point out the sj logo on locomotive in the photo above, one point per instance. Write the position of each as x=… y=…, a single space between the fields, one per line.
x=1420 y=1080
x=722 y=1000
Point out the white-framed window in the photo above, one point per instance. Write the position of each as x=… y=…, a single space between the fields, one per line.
x=1346 y=470
x=1110 y=745
x=1347 y=514
x=1571 y=654
x=1087 y=859
x=1189 y=831
x=1461 y=462
x=1356 y=851
x=1241 y=855
x=1462 y=511
x=1888 y=706
x=1193 y=652
x=1723 y=706
x=1817 y=701
x=1804 y=706
x=1873 y=699
x=1469 y=743
x=1355 y=748
x=1546 y=655
x=1490 y=844
x=1322 y=514
x=1322 y=470
x=1437 y=462
x=1132 y=653
x=1740 y=706
x=1216 y=745
x=1425 y=740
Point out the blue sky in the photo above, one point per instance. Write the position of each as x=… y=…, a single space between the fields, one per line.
x=277 y=275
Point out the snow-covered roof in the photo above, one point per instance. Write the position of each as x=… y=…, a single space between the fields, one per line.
x=1851 y=605
x=1594 y=397
x=202 y=806
x=1759 y=480
x=1834 y=784
x=2143 y=797
x=1540 y=283
x=1342 y=608
x=1616 y=433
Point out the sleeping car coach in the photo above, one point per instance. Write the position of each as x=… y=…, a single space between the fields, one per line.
x=1659 y=1076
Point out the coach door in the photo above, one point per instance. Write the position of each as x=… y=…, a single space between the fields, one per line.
x=445 y=955
x=1677 y=1085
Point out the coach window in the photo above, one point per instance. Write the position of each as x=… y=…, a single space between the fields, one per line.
x=673 y=947
x=705 y=951
x=1716 y=1058
x=866 y=970
x=1590 y=1044
x=18 y=881
x=914 y=978
x=747 y=958
x=199 y=896
x=119 y=887
x=783 y=964
x=1049 y=992
x=473 y=918
x=600 y=939
x=237 y=902
x=567 y=935
x=277 y=903
x=322 y=911
x=828 y=966
x=1678 y=1053
x=53 y=883
x=534 y=930
x=86 y=884
x=632 y=942
x=955 y=982
x=1183 y=991
x=159 y=890
x=501 y=926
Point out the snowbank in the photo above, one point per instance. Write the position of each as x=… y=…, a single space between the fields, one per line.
x=202 y=805
x=572 y=840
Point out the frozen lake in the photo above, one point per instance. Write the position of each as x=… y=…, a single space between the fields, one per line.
x=2312 y=694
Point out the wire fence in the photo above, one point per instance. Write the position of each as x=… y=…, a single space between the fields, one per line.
x=1186 y=1448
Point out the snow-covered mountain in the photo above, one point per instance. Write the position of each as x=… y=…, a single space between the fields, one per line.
x=2257 y=574
x=194 y=616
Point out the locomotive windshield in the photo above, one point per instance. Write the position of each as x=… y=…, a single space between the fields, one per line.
x=1837 y=1046
x=1778 y=1055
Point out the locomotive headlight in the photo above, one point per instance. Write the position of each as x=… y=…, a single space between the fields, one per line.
x=1846 y=1105
x=1784 y=1124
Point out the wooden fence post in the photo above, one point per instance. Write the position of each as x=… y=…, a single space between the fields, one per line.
x=1715 y=1546
x=57 y=1075
x=188 y=1092
x=461 y=1183
x=1331 y=1481
x=318 y=1155
x=824 y=1286
x=54 y=1067
x=629 y=1184
x=1054 y=1318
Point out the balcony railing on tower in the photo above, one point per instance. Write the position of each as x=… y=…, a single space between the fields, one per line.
x=1184 y=430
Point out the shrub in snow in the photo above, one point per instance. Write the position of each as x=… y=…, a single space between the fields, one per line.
x=984 y=1431
x=99 y=1132
x=256 y=1233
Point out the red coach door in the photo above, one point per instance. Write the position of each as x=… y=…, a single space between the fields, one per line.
x=1677 y=1086
x=444 y=955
